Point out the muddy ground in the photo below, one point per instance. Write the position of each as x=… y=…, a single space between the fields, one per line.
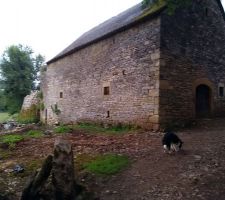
x=197 y=172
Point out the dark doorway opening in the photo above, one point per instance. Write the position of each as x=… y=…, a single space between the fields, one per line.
x=203 y=101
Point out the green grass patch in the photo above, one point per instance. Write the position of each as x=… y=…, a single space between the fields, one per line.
x=63 y=129
x=111 y=130
x=11 y=140
x=108 y=164
x=34 y=134
x=4 y=117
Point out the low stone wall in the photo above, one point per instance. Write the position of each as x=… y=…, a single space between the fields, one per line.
x=30 y=100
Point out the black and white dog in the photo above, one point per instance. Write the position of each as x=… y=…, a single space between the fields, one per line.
x=171 y=142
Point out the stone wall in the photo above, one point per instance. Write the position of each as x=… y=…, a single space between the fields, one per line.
x=127 y=63
x=192 y=53
x=30 y=100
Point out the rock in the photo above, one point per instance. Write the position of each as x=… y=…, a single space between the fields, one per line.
x=63 y=171
x=18 y=169
x=197 y=157
x=48 y=132
x=8 y=126
x=8 y=170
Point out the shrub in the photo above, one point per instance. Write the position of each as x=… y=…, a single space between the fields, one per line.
x=107 y=164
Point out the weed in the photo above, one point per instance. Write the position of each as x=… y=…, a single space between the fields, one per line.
x=63 y=129
x=11 y=140
x=34 y=133
x=29 y=116
x=108 y=164
x=94 y=128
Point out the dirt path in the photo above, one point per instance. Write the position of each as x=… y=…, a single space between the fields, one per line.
x=197 y=172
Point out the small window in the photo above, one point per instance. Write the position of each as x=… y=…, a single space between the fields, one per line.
x=108 y=114
x=206 y=12
x=221 y=91
x=61 y=94
x=106 y=90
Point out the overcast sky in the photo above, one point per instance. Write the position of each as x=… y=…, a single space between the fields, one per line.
x=48 y=26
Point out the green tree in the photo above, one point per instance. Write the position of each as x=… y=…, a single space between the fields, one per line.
x=18 y=73
x=2 y=101
x=172 y=5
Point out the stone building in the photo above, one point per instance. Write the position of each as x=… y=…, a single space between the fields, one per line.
x=142 y=67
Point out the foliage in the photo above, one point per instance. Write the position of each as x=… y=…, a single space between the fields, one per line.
x=34 y=133
x=172 y=5
x=42 y=106
x=2 y=101
x=95 y=128
x=40 y=95
x=11 y=140
x=19 y=71
x=63 y=129
x=55 y=109
x=4 y=117
x=30 y=115
x=108 y=164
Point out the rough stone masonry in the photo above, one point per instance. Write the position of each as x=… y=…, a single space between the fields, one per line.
x=149 y=69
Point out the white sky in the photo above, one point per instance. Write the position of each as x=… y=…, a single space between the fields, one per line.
x=48 y=26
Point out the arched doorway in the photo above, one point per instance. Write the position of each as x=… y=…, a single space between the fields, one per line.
x=203 y=101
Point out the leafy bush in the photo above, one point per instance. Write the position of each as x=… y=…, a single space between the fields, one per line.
x=34 y=133
x=11 y=140
x=107 y=164
x=63 y=129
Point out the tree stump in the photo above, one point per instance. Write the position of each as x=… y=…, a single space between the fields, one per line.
x=63 y=171
x=37 y=181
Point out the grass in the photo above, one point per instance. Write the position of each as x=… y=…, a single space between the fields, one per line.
x=111 y=130
x=34 y=134
x=30 y=167
x=4 y=117
x=63 y=129
x=11 y=140
x=5 y=154
x=108 y=164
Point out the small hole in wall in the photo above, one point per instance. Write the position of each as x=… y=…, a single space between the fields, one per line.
x=206 y=12
x=61 y=94
x=124 y=72
x=221 y=91
x=108 y=114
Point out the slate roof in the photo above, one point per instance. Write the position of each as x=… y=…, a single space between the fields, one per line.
x=121 y=22
x=116 y=24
